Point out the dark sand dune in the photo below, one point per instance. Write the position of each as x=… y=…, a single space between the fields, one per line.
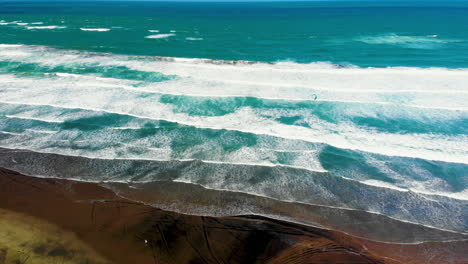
x=123 y=231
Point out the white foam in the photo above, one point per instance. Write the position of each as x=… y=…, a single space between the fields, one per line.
x=382 y=184
x=35 y=118
x=37 y=23
x=153 y=30
x=192 y=38
x=125 y=128
x=462 y=195
x=432 y=147
x=159 y=36
x=370 y=92
x=96 y=29
x=45 y=27
x=10 y=133
x=22 y=24
x=10 y=45
x=398 y=39
x=67 y=75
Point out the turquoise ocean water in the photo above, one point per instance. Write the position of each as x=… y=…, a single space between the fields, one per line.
x=356 y=106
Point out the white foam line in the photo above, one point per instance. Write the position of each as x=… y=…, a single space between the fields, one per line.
x=386 y=185
x=341 y=177
x=10 y=133
x=463 y=195
x=66 y=140
x=125 y=128
x=95 y=29
x=260 y=164
x=309 y=68
x=10 y=46
x=193 y=39
x=313 y=88
x=41 y=131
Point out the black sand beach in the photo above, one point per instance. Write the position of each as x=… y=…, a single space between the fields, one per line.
x=78 y=222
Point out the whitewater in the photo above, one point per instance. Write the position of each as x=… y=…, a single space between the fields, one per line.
x=317 y=134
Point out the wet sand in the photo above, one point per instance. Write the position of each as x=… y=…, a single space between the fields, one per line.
x=78 y=222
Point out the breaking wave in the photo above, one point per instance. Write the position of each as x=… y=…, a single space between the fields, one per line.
x=392 y=141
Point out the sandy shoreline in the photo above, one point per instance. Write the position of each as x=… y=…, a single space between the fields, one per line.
x=119 y=230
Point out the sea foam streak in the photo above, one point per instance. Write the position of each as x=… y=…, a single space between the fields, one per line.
x=95 y=29
x=159 y=36
x=192 y=38
x=45 y=27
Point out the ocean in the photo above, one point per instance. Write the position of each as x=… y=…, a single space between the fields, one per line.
x=359 y=109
